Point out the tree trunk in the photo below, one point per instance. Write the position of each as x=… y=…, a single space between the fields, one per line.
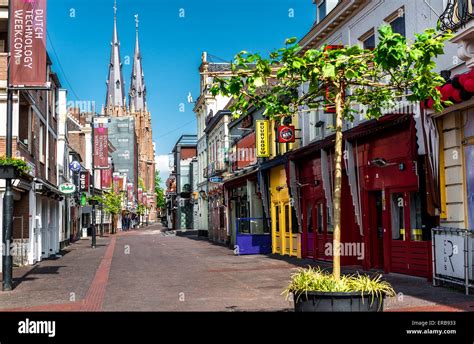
x=337 y=186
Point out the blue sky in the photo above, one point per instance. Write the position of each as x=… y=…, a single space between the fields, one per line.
x=80 y=32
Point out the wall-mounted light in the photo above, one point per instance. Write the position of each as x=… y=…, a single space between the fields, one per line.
x=319 y=124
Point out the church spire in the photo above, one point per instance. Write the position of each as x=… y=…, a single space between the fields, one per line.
x=115 y=85
x=137 y=92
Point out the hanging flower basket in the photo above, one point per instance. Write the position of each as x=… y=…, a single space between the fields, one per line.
x=12 y=168
x=9 y=172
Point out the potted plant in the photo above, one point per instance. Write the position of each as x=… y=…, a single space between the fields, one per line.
x=11 y=168
x=315 y=290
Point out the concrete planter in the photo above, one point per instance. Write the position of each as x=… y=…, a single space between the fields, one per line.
x=337 y=302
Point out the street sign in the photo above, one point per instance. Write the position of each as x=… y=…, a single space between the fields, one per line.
x=75 y=166
x=67 y=188
x=215 y=179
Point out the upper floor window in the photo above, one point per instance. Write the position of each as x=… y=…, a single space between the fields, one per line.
x=322 y=10
x=368 y=40
x=397 y=21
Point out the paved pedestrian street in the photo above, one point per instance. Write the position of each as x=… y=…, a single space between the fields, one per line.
x=144 y=270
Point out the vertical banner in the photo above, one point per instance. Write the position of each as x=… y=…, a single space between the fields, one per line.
x=139 y=195
x=106 y=178
x=84 y=178
x=101 y=146
x=263 y=144
x=130 y=192
x=116 y=182
x=28 y=43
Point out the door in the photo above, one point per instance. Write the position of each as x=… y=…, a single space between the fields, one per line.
x=376 y=229
x=410 y=243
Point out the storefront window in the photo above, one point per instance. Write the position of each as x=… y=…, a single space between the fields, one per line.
x=416 y=226
x=287 y=219
x=319 y=215
x=398 y=219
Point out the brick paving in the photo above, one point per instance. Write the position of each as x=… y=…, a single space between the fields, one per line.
x=144 y=270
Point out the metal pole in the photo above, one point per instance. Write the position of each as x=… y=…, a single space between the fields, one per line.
x=101 y=220
x=7 y=266
x=94 y=233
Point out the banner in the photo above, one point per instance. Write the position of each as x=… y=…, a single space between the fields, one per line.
x=139 y=195
x=106 y=178
x=263 y=144
x=28 y=43
x=101 y=146
x=130 y=192
x=116 y=182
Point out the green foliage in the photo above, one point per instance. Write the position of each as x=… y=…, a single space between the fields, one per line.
x=111 y=201
x=141 y=209
x=317 y=280
x=141 y=184
x=18 y=164
x=159 y=192
x=376 y=79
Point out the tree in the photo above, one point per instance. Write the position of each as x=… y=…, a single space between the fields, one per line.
x=160 y=192
x=340 y=78
x=112 y=203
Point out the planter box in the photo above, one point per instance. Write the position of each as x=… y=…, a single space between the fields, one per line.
x=8 y=172
x=337 y=302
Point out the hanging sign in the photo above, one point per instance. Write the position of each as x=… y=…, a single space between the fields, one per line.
x=263 y=144
x=84 y=181
x=67 y=188
x=101 y=146
x=28 y=43
x=286 y=134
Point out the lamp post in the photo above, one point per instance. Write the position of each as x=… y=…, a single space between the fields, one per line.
x=7 y=261
x=94 y=233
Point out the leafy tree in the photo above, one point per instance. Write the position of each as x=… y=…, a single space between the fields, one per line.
x=159 y=192
x=112 y=203
x=337 y=77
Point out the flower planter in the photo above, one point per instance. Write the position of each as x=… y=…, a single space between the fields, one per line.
x=337 y=302
x=8 y=172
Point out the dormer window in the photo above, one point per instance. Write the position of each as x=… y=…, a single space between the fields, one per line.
x=322 y=10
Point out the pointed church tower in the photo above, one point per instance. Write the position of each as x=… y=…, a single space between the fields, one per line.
x=137 y=94
x=115 y=102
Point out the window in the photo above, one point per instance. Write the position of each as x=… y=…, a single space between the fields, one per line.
x=277 y=218
x=322 y=10
x=309 y=218
x=369 y=42
x=416 y=226
x=287 y=219
x=24 y=128
x=329 y=224
x=294 y=221
x=397 y=22
x=398 y=217
x=42 y=143
x=319 y=215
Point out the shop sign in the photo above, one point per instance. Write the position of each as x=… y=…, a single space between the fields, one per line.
x=67 y=188
x=286 y=134
x=263 y=144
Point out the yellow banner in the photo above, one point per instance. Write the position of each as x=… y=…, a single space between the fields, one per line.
x=263 y=144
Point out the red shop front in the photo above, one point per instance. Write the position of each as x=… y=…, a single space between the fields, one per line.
x=387 y=225
x=396 y=225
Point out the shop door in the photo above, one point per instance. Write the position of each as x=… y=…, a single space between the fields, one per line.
x=409 y=253
x=285 y=237
x=376 y=229
x=308 y=230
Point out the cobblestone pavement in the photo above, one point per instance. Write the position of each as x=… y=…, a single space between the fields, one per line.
x=147 y=270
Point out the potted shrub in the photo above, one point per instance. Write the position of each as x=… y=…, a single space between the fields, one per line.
x=315 y=290
x=11 y=168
